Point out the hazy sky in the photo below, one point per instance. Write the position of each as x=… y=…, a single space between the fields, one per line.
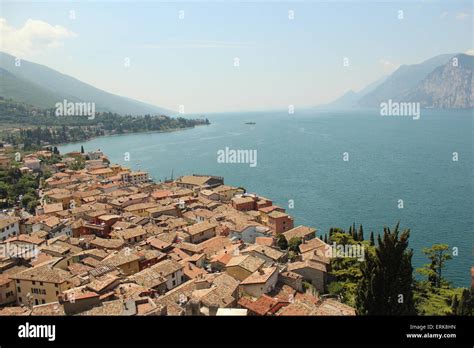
x=190 y=61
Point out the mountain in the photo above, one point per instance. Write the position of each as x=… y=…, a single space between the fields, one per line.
x=448 y=86
x=25 y=91
x=444 y=81
x=350 y=99
x=402 y=81
x=41 y=86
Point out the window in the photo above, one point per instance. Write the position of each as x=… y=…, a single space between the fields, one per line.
x=19 y=289
x=174 y=282
x=57 y=293
x=19 y=299
x=36 y=301
x=41 y=283
x=18 y=281
x=34 y=282
x=43 y=301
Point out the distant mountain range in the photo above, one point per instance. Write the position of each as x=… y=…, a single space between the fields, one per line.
x=43 y=87
x=444 y=81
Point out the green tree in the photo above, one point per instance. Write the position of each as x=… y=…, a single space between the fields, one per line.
x=386 y=286
x=282 y=242
x=465 y=304
x=360 y=233
x=294 y=243
x=372 y=240
x=438 y=254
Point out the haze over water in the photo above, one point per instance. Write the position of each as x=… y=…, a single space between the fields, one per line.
x=300 y=158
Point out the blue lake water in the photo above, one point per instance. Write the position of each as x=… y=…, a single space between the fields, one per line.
x=300 y=158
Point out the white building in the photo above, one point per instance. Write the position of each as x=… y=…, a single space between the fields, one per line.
x=9 y=227
x=135 y=177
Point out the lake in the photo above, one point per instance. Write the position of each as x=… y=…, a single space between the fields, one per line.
x=337 y=168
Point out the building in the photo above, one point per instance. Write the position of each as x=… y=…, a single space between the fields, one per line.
x=171 y=271
x=32 y=163
x=135 y=178
x=197 y=182
x=313 y=272
x=268 y=254
x=260 y=282
x=303 y=232
x=226 y=193
x=201 y=231
x=244 y=203
x=279 y=222
x=241 y=267
x=41 y=284
x=7 y=290
x=95 y=155
x=9 y=227
x=127 y=261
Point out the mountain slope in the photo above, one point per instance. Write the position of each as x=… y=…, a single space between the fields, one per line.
x=45 y=87
x=27 y=92
x=402 y=81
x=350 y=99
x=447 y=86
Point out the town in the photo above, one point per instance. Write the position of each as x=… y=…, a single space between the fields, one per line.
x=107 y=240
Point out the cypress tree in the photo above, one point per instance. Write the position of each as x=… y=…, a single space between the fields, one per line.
x=372 y=240
x=360 y=234
x=464 y=307
x=455 y=305
x=386 y=287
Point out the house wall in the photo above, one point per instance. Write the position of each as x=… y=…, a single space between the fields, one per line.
x=316 y=277
x=8 y=293
x=257 y=290
x=41 y=292
x=244 y=206
x=248 y=235
x=130 y=267
x=197 y=238
x=280 y=225
x=9 y=231
x=175 y=279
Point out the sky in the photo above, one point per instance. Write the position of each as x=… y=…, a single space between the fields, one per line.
x=172 y=54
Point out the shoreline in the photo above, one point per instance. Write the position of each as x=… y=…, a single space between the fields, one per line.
x=128 y=133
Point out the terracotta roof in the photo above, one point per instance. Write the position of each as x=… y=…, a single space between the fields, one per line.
x=7 y=220
x=260 y=276
x=314 y=243
x=52 y=208
x=194 y=180
x=44 y=273
x=247 y=262
x=299 y=232
x=200 y=227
